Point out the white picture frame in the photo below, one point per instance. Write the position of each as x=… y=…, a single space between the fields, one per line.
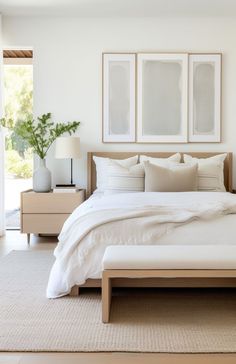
x=119 y=93
x=162 y=83
x=205 y=98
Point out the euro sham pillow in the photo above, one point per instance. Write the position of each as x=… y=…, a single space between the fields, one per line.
x=121 y=179
x=102 y=165
x=164 y=162
x=174 y=179
x=210 y=172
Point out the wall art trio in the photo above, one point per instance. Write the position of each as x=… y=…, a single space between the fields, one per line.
x=161 y=97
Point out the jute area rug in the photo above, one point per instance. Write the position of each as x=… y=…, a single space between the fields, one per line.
x=170 y=321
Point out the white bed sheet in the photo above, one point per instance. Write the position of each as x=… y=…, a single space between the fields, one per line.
x=219 y=230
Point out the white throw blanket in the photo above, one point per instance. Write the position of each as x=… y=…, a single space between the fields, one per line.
x=138 y=218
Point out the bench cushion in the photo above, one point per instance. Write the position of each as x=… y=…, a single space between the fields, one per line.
x=170 y=257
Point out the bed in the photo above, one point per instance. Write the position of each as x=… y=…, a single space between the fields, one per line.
x=88 y=255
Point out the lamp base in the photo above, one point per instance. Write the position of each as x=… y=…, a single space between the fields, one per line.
x=66 y=185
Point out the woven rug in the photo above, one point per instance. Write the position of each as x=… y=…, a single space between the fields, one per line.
x=181 y=321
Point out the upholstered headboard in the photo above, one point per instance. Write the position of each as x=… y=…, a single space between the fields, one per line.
x=91 y=182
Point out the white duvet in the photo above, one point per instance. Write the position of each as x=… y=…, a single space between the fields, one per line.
x=137 y=218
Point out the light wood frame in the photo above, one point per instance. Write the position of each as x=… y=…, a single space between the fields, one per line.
x=181 y=58
x=109 y=274
x=91 y=167
x=108 y=137
x=215 y=59
x=186 y=282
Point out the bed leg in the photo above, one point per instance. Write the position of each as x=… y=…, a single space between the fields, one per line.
x=74 y=291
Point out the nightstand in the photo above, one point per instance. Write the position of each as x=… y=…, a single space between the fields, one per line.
x=45 y=213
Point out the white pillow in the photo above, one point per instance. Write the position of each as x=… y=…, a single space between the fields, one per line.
x=163 y=162
x=121 y=179
x=102 y=165
x=210 y=172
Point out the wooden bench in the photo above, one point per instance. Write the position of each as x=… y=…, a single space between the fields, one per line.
x=172 y=261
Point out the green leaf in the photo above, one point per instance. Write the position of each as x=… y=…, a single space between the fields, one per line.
x=40 y=134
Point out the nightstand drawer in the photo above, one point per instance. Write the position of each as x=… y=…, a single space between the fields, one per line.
x=41 y=203
x=43 y=223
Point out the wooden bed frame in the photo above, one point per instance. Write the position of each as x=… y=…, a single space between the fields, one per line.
x=156 y=282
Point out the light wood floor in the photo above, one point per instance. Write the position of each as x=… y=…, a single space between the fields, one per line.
x=15 y=241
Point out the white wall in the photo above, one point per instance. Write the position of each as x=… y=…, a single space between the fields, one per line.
x=68 y=71
x=2 y=148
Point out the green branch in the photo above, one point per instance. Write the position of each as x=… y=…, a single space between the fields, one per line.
x=41 y=134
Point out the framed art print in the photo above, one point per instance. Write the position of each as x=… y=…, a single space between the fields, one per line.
x=205 y=98
x=119 y=97
x=162 y=98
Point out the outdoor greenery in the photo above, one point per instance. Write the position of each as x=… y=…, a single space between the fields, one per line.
x=18 y=106
x=18 y=92
x=18 y=166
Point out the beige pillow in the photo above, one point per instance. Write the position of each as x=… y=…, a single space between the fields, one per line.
x=176 y=179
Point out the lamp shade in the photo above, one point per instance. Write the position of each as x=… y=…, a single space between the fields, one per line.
x=67 y=147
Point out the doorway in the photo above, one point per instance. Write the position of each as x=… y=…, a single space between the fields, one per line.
x=18 y=106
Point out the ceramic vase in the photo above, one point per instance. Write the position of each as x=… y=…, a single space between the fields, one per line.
x=42 y=178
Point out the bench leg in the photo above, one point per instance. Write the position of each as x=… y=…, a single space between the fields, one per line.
x=106 y=297
x=74 y=291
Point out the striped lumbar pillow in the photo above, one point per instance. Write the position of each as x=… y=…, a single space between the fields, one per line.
x=210 y=172
x=102 y=165
x=121 y=179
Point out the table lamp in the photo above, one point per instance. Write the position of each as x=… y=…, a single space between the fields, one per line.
x=68 y=147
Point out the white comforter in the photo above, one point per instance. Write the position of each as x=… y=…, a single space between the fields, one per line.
x=133 y=218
